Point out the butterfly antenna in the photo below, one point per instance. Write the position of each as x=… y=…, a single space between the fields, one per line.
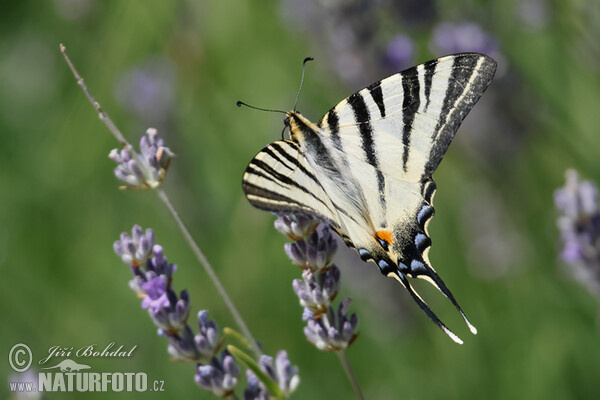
x=307 y=59
x=241 y=103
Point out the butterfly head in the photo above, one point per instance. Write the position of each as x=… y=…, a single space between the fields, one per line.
x=299 y=126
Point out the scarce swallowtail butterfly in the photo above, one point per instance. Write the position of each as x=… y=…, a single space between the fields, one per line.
x=365 y=168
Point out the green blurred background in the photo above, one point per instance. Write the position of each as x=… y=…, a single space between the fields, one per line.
x=180 y=66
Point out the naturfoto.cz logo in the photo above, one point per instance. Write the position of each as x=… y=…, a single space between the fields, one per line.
x=71 y=376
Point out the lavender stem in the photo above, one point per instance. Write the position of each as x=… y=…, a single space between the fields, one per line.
x=350 y=373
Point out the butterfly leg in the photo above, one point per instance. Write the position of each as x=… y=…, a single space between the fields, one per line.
x=421 y=270
x=401 y=277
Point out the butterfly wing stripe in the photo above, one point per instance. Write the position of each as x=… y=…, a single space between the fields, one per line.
x=377 y=96
x=428 y=78
x=279 y=178
x=362 y=118
x=291 y=159
x=334 y=129
x=267 y=196
x=410 y=105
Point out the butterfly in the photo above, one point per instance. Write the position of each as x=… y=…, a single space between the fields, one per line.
x=365 y=169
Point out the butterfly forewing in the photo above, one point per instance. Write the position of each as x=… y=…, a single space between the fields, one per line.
x=415 y=113
x=279 y=179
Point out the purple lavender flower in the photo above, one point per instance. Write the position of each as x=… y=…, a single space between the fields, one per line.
x=317 y=291
x=295 y=227
x=135 y=249
x=283 y=372
x=220 y=377
x=171 y=315
x=156 y=294
x=314 y=253
x=451 y=38
x=400 y=52
x=255 y=389
x=579 y=226
x=333 y=331
x=147 y=170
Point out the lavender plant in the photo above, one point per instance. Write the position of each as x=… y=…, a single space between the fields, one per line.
x=153 y=277
x=579 y=225
x=216 y=372
x=313 y=252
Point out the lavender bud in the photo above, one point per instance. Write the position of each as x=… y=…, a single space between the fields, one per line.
x=255 y=389
x=317 y=291
x=220 y=377
x=207 y=339
x=135 y=249
x=159 y=264
x=181 y=345
x=314 y=253
x=296 y=227
x=334 y=331
x=147 y=171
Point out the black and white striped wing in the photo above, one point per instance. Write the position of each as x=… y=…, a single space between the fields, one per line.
x=280 y=180
x=387 y=140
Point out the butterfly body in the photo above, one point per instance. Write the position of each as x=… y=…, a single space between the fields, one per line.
x=365 y=168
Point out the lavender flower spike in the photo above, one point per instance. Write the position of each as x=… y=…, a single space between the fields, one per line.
x=149 y=169
x=220 y=377
x=579 y=226
x=334 y=331
x=134 y=250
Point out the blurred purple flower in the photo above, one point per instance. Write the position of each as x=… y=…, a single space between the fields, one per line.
x=400 y=52
x=451 y=38
x=148 y=90
x=579 y=226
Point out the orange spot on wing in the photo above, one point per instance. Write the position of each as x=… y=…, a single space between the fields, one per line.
x=386 y=236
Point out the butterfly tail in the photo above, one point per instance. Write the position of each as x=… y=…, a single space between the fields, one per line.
x=404 y=281
x=427 y=273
